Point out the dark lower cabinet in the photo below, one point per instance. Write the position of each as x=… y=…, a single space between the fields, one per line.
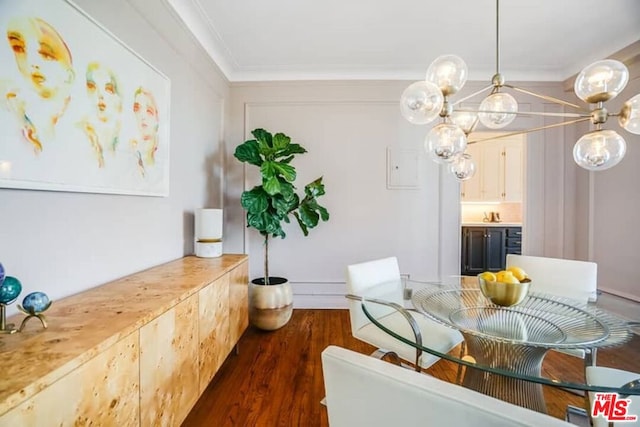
x=486 y=248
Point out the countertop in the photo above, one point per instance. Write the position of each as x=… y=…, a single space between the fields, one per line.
x=492 y=224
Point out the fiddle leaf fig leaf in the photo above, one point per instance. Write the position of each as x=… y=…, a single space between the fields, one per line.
x=255 y=201
x=293 y=149
x=267 y=170
x=280 y=141
x=315 y=188
x=302 y=225
x=287 y=171
x=271 y=185
x=249 y=152
x=308 y=215
x=265 y=143
x=287 y=191
x=324 y=213
x=283 y=206
x=263 y=137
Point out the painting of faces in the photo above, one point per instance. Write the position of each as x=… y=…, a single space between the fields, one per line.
x=79 y=111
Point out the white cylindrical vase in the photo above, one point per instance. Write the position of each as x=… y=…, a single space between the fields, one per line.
x=208 y=233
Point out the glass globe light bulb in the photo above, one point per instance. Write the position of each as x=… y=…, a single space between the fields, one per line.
x=601 y=81
x=463 y=167
x=444 y=142
x=599 y=150
x=629 y=117
x=464 y=119
x=421 y=102
x=498 y=110
x=449 y=73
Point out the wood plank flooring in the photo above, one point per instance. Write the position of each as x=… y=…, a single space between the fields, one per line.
x=276 y=378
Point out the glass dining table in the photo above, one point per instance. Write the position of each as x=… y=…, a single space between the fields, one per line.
x=505 y=346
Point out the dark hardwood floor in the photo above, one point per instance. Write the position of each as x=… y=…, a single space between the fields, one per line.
x=276 y=378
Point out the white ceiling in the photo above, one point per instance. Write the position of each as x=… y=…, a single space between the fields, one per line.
x=540 y=40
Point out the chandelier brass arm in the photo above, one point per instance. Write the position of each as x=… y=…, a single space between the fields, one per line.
x=473 y=95
x=546 y=97
x=520 y=132
x=530 y=113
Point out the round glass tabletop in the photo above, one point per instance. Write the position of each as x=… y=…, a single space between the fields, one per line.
x=540 y=321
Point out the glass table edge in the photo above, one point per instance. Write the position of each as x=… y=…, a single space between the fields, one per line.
x=506 y=373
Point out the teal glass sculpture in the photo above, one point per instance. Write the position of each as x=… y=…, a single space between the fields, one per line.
x=9 y=290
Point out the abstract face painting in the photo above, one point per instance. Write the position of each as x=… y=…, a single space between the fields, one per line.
x=145 y=109
x=103 y=91
x=102 y=125
x=45 y=63
x=42 y=56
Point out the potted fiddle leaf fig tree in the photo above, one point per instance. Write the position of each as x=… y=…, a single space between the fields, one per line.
x=270 y=205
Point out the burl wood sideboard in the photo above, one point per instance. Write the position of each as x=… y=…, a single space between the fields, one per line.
x=138 y=351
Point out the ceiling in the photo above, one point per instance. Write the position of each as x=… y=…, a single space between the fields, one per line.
x=540 y=40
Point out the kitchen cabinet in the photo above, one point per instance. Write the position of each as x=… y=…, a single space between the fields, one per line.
x=486 y=248
x=499 y=173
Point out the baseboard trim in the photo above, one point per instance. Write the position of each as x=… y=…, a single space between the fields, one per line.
x=624 y=295
x=319 y=295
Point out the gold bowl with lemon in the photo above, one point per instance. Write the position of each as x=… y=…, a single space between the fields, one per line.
x=506 y=288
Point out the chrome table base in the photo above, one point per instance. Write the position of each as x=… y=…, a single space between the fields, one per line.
x=523 y=359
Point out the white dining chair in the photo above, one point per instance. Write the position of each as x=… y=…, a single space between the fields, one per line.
x=364 y=391
x=568 y=278
x=576 y=280
x=610 y=377
x=379 y=281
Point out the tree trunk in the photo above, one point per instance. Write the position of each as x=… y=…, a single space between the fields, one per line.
x=266 y=259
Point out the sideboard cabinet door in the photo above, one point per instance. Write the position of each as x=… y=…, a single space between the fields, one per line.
x=213 y=302
x=101 y=392
x=239 y=301
x=169 y=365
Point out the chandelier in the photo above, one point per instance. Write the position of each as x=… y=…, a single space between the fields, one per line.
x=423 y=101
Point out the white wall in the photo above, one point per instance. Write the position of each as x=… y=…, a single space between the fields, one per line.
x=347 y=128
x=63 y=243
x=616 y=206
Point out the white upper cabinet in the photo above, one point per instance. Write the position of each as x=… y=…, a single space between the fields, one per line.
x=499 y=170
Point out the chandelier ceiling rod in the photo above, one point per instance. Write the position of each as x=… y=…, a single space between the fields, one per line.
x=497 y=37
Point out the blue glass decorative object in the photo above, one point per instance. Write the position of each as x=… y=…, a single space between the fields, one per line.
x=33 y=305
x=36 y=302
x=1 y=273
x=9 y=290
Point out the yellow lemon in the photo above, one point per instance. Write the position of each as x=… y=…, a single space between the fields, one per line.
x=488 y=276
x=518 y=273
x=506 y=277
